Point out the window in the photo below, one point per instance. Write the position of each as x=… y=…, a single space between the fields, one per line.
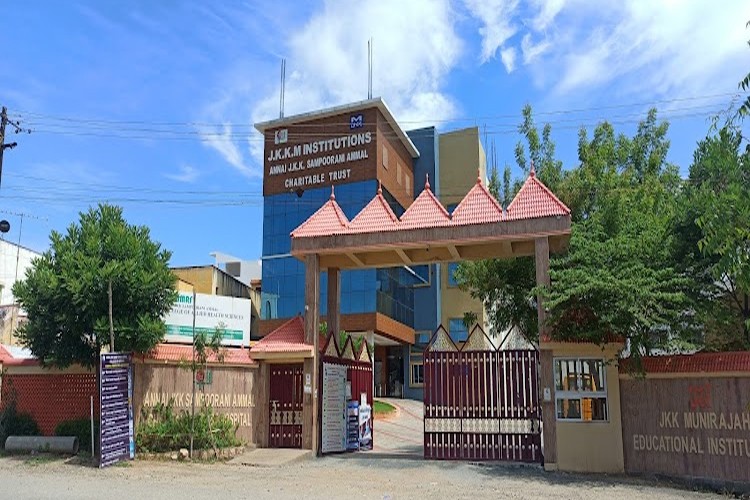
x=398 y=172
x=581 y=389
x=422 y=338
x=385 y=157
x=416 y=367
x=457 y=330
x=421 y=275
x=452 y=268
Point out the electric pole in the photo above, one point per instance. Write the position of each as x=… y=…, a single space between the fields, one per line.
x=3 y=145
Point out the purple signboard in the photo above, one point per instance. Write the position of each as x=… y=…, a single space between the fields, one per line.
x=116 y=440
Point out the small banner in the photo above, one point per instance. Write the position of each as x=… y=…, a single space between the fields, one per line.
x=116 y=438
x=334 y=409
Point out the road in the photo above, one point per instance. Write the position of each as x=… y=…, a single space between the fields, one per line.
x=401 y=433
x=343 y=476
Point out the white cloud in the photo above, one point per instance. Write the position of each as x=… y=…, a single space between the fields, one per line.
x=508 y=56
x=497 y=25
x=532 y=51
x=661 y=47
x=415 y=48
x=187 y=174
x=547 y=11
x=223 y=139
x=658 y=47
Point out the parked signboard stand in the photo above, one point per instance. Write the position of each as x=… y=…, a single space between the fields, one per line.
x=116 y=437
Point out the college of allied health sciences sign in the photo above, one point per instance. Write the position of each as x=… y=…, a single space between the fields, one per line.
x=116 y=438
x=232 y=314
x=319 y=153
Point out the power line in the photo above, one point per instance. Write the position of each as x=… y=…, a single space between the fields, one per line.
x=31 y=114
x=313 y=137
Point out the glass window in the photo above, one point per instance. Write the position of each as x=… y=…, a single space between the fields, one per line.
x=452 y=267
x=422 y=275
x=580 y=389
x=457 y=330
x=385 y=157
x=416 y=367
x=423 y=337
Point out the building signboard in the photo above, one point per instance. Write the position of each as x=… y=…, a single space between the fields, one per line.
x=334 y=415
x=696 y=427
x=232 y=314
x=116 y=438
x=318 y=153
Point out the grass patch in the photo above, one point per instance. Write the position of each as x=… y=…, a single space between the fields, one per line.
x=380 y=408
x=41 y=459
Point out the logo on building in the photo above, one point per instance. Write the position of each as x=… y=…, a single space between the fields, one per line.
x=280 y=136
x=356 y=121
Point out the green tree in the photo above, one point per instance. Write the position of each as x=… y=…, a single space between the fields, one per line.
x=203 y=346
x=720 y=187
x=505 y=285
x=619 y=277
x=745 y=85
x=65 y=292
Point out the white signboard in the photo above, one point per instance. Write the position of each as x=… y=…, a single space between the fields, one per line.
x=211 y=311
x=334 y=408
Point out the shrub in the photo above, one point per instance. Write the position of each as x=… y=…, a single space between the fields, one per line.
x=80 y=428
x=13 y=423
x=161 y=429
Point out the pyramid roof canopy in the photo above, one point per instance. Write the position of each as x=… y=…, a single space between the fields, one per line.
x=478 y=207
x=328 y=220
x=535 y=200
x=376 y=216
x=427 y=233
x=288 y=338
x=426 y=211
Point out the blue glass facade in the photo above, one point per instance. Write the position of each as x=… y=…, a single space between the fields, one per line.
x=411 y=296
x=427 y=292
x=389 y=291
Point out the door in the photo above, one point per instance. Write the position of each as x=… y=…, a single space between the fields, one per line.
x=285 y=406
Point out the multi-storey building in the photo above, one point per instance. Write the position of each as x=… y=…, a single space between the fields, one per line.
x=353 y=151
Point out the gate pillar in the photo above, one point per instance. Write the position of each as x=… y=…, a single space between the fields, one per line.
x=312 y=319
x=334 y=300
x=546 y=378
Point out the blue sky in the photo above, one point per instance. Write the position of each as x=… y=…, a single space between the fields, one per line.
x=151 y=104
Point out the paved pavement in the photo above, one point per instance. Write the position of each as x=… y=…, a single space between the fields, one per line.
x=269 y=457
x=361 y=475
x=401 y=433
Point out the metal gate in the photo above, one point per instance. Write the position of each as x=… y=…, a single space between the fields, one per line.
x=480 y=403
x=285 y=406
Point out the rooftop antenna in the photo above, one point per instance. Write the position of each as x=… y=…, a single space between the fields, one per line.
x=281 y=92
x=369 y=68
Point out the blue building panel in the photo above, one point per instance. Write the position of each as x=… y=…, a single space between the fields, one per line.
x=388 y=291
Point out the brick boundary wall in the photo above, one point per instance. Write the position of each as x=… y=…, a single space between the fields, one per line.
x=689 y=417
x=51 y=398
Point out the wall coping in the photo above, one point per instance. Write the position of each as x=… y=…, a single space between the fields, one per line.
x=700 y=364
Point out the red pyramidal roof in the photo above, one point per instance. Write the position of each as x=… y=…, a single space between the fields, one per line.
x=5 y=355
x=478 y=207
x=426 y=211
x=288 y=338
x=329 y=219
x=377 y=216
x=535 y=200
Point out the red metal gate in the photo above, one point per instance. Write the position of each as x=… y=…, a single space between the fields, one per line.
x=285 y=407
x=480 y=403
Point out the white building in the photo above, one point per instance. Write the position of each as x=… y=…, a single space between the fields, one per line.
x=14 y=261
